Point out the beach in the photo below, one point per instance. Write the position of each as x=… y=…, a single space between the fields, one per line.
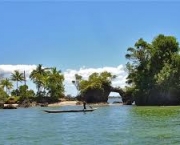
x=64 y=103
x=74 y=103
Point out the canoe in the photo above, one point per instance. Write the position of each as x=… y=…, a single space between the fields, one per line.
x=68 y=111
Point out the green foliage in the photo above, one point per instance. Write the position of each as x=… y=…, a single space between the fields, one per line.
x=154 y=66
x=49 y=82
x=54 y=84
x=17 y=76
x=96 y=81
x=6 y=84
x=15 y=92
x=23 y=93
x=38 y=76
x=3 y=95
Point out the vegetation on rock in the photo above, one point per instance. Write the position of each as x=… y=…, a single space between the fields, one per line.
x=96 y=88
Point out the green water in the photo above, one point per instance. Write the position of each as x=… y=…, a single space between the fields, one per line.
x=108 y=125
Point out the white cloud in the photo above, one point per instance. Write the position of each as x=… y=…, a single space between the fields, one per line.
x=69 y=74
x=8 y=69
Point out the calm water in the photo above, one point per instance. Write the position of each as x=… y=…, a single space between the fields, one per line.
x=108 y=125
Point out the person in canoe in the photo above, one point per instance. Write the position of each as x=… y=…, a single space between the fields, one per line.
x=84 y=104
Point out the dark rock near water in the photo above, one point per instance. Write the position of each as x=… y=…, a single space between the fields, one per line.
x=44 y=105
x=25 y=104
x=117 y=102
x=156 y=98
x=101 y=96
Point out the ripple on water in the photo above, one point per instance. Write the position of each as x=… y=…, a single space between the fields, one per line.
x=108 y=125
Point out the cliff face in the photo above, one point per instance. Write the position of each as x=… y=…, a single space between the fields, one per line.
x=96 y=96
x=100 y=96
x=154 y=98
x=158 y=99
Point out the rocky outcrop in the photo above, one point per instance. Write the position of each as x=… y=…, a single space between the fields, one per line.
x=126 y=98
x=44 y=104
x=96 y=96
x=117 y=102
x=156 y=98
x=101 y=96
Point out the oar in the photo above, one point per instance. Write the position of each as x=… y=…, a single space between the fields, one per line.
x=90 y=107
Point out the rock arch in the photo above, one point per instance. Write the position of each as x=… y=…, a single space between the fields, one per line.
x=101 y=96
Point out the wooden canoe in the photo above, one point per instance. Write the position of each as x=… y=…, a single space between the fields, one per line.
x=68 y=111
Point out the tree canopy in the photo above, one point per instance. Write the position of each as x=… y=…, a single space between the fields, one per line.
x=6 y=84
x=94 y=81
x=17 y=76
x=154 y=67
x=49 y=82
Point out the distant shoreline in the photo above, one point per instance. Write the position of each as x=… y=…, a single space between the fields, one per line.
x=64 y=103
x=77 y=103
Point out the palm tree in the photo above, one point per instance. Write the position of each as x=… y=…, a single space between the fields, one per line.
x=17 y=76
x=54 y=83
x=38 y=75
x=6 y=84
x=76 y=82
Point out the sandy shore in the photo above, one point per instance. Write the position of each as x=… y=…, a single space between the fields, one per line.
x=74 y=103
x=14 y=105
x=64 y=103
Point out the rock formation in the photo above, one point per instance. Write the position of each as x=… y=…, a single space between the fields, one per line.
x=157 y=98
x=101 y=96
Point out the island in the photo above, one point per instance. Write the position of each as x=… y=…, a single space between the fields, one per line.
x=153 y=79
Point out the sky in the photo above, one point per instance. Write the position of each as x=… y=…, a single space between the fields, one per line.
x=80 y=36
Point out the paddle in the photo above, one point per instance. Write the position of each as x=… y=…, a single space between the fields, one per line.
x=90 y=107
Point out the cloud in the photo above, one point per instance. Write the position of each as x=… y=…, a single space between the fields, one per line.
x=6 y=70
x=69 y=75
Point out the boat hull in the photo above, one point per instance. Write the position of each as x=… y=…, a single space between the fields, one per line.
x=68 y=111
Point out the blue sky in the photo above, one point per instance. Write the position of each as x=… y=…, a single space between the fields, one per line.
x=70 y=35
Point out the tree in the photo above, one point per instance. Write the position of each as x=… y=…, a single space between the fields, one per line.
x=3 y=96
x=94 y=89
x=25 y=94
x=152 y=68
x=96 y=81
x=76 y=82
x=38 y=76
x=6 y=84
x=18 y=77
x=54 y=84
x=49 y=82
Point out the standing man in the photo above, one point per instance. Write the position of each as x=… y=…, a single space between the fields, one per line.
x=84 y=104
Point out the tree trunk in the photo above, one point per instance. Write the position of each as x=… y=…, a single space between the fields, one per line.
x=17 y=85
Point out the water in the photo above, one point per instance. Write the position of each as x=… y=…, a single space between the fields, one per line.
x=108 y=125
x=115 y=99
